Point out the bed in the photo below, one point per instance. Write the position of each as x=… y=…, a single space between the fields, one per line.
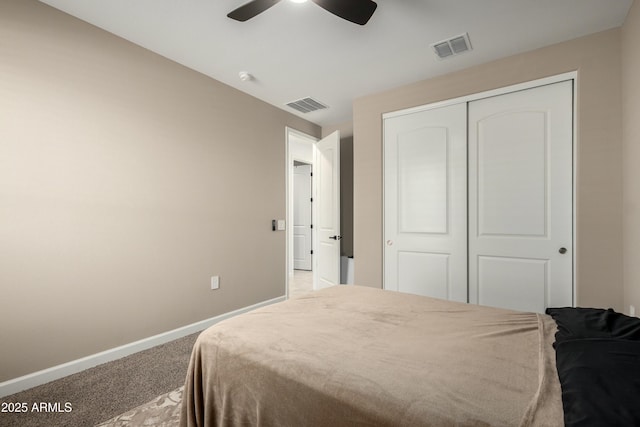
x=356 y=356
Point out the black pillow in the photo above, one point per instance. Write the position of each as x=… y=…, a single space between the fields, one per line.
x=600 y=381
x=576 y=323
x=598 y=362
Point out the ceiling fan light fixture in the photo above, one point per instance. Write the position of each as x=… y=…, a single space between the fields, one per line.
x=356 y=11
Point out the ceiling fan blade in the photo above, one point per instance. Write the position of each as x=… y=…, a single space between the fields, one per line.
x=251 y=9
x=356 y=11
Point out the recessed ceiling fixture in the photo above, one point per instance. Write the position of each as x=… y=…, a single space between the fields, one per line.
x=307 y=105
x=298 y=1
x=453 y=46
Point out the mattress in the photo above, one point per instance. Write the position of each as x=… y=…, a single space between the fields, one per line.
x=357 y=356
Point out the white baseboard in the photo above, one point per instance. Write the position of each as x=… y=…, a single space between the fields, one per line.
x=56 y=372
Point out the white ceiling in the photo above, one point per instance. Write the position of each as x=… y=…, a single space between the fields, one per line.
x=300 y=50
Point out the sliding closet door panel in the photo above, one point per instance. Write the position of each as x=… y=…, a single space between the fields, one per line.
x=520 y=199
x=423 y=183
x=513 y=206
x=425 y=203
x=424 y=274
x=526 y=279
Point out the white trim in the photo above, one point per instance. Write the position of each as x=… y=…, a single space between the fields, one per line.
x=571 y=75
x=56 y=372
x=574 y=188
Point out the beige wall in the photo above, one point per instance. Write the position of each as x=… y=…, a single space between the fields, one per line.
x=346 y=195
x=631 y=155
x=599 y=177
x=126 y=181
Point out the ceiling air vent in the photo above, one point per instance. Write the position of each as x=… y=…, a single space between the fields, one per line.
x=452 y=46
x=306 y=105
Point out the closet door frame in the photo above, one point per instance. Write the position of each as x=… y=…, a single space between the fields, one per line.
x=573 y=76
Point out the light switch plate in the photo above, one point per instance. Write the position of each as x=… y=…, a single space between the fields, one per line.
x=281 y=224
x=215 y=282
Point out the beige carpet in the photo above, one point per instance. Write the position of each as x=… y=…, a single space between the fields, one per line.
x=163 y=411
x=102 y=392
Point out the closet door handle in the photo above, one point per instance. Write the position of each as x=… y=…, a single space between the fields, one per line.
x=563 y=251
x=335 y=237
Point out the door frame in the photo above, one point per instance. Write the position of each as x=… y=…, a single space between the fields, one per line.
x=571 y=75
x=291 y=136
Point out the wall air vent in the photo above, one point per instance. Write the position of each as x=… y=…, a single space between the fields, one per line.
x=453 y=46
x=306 y=105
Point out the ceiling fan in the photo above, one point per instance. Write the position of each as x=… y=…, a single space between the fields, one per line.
x=356 y=11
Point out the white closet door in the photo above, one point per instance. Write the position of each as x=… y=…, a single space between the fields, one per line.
x=520 y=199
x=425 y=212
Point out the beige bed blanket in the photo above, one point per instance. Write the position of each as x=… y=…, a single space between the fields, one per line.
x=356 y=356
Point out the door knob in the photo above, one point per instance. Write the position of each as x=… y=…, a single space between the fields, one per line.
x=389 y=242
x=335 y=237
x=563 y=251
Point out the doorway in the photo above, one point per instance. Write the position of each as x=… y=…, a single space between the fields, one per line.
x=302 y=216
x=300 y=159
x=313 y=234
x=302 y=280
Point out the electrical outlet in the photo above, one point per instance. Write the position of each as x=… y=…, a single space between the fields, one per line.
x=632 y=310
x=215 y=282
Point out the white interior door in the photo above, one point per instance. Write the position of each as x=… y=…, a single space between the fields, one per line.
x=520 y=199
x=302 y=217
x=425 y=199
x=327 y=212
